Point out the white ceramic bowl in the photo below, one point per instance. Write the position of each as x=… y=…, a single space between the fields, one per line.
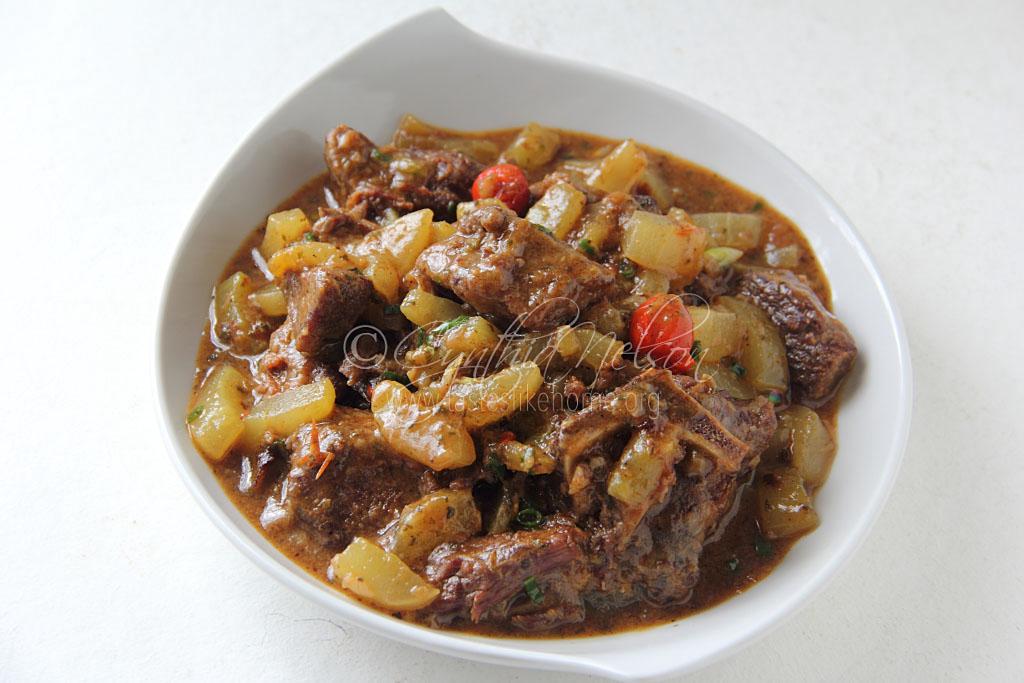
x=467 y=81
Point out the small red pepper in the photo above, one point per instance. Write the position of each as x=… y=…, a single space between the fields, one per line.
x=506 y=182
x=662 y=328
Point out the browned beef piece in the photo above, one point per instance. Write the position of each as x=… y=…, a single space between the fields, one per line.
x=284 y=367
x=707 y=286
x=362 y=488
x=257 y=470
x=696 y=506
x=700 y=501
x=708 y=443
x=360 y=375
x=819 y=348
x=486 y=577
x=654 y=400
x=506 y=268
x=393 y=178
x=564 y=605
x=342 y=228
x=752 y=422
x=323 y=304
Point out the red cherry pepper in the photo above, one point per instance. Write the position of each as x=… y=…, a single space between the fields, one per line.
x=662 y=328
x=506 y=182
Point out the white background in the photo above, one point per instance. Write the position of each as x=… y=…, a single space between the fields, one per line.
x=115 y=117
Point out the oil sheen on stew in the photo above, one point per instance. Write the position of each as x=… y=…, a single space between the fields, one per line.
x=527 y=382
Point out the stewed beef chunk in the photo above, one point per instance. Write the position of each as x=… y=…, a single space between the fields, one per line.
x=257 y=469
x=363 y=486
x=504 y=267
x=702 y=499
x=706 y=443
x=654 y=400
x=284 y=367
x=532 y=576
x=752 y=422
x=402 y=180
x=819 y=348
x=342 y=228
x=323 y=304
x=708 y=286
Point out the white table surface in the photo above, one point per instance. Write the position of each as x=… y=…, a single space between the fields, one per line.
x=116 y=116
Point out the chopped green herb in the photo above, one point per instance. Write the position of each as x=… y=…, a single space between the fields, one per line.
x=529 y=518
x=495 y=466
x=450 y=325
x=627 y=270
x=394 y=376
x=533 y=591
x=543 y=229
x=194 y=415
x=309 y=237
x=762 y=546
x=775 y=397
x=421 y=337
x=738 y=369
x=696 y=350
x=587 y=248
x=392 y=309
x=758 y=205
x=379 y=155
x=733 y=564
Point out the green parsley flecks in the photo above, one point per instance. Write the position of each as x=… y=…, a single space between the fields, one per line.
x=533 y=591
x=450 y=325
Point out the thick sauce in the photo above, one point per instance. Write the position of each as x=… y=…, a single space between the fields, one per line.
x=732 y=562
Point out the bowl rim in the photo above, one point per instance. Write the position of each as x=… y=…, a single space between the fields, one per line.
x=488 y=649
